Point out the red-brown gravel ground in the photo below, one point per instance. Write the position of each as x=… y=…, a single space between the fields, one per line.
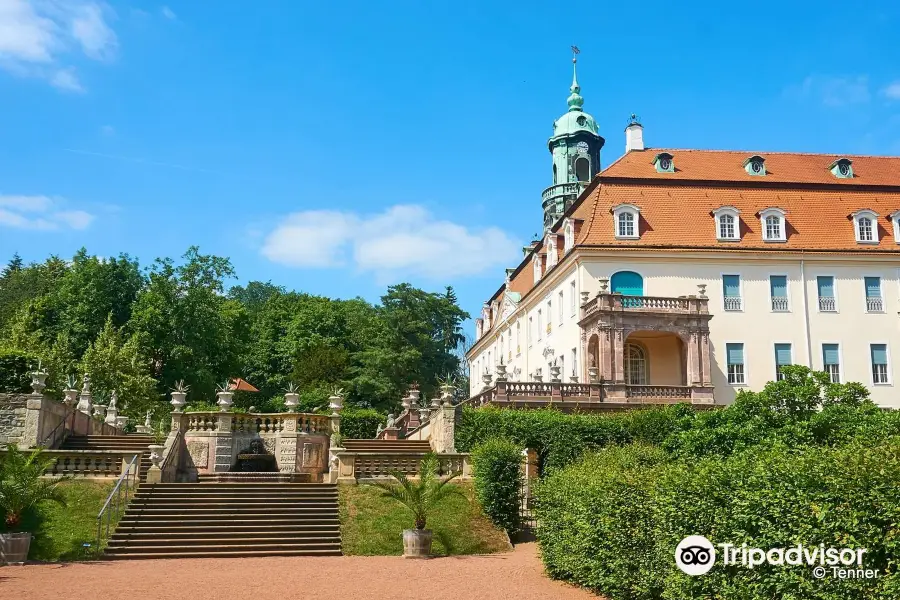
x=516 y=575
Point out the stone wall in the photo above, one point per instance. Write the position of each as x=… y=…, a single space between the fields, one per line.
x=13 y=408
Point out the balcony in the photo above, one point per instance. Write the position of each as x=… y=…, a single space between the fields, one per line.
x=685 y=305
x=563 y=189
x=779 y=304
x=733 y=303
x=874 y=305
x=827 y=304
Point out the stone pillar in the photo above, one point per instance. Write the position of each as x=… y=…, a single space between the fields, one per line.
x=443 y=431
x=34 y=421
x=502 y=395
x=223 y=443
x=693 y=360
x=617 y=358
x=85 y=400
x=112 y=411
x=705 y=360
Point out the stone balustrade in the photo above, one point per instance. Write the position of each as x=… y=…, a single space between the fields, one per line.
x=88 y=464
x=606 y=301
x=354 y=467
x=681 y=392
x=590 y=396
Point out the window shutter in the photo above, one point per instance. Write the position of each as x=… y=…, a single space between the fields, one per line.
x=879 y=354
x=778 y=284
x=826 y=286
x=830 y=354
x=782 y=354
x=873 y=287
x=732 y=284
x=735 y=354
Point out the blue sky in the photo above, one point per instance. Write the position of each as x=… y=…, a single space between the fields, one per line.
x=337 y=151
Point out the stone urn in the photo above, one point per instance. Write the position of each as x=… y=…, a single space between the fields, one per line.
x=554 y=373
x=99 y=412
x=224 y=400
x=487 y=379
x=291 y=401
x=70 y=397
x=156 y=451
x=417 y=543
x=178 y=401
x=335 y=403
x=121 y=422
x=14 y=548
x=501 y=372
x=447 y=394
x=593 y=374
x=38 y=381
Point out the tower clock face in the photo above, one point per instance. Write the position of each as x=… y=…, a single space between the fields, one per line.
x=582 y=147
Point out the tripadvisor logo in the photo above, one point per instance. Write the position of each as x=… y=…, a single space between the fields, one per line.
x=695 y=555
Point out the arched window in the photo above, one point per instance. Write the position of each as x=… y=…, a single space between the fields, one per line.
x=866 y=225
x=726 y=227
x=773 y=225
x=626 y=224
x=635 y=365
x=865 y=229
x=582 y=169
x=554 y=174
x=627 y=283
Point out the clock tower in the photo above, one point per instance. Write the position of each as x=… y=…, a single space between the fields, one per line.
x=575 y=147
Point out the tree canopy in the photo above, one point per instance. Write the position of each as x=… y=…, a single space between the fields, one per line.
x=139 y=330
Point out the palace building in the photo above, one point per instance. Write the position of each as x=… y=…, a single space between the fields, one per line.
x=687 y=275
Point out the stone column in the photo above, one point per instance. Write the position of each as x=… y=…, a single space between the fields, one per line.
x=693 y=360
x=223 y=442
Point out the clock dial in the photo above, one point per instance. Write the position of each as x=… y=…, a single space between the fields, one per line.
x=582 y=147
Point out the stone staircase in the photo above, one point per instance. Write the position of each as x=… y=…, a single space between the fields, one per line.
x=120 y=443
x=187 y=520
x=412 y=447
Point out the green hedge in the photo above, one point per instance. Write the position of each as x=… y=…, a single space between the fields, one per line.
x=561 y=438
x=14 y=369
x=360 y=423
x=611 y=523
x=497 y=466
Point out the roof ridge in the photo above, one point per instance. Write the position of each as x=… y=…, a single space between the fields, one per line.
x=761 y=153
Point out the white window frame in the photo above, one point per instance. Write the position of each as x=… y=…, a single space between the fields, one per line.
x=728 y=211
x=865 y=213
x=550 y=245
x=890 y=375
x=540 y=325
x=575 y=368
x=536 y=265
x=530 y=335
x=866 y=297
x=774 y=357
x=635 y=213
x=573 y=301
x=895 y=221
x=568 y=235
x=740 y=287
x=782 y=222
x=841 y=375
x=549 y=316
x=560 y=297
x=746 y=370
x=834 y=280
x=787 y=290
x=518 y=337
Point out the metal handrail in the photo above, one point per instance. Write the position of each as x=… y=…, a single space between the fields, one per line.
x=129 y=476
x=53 y=433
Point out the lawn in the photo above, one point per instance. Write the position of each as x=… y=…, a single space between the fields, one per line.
x=372 y=525
x=61 y=532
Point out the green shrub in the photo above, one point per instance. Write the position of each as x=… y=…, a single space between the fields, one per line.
x=497 y=466
x=611 y=522
x=14 y=369
x=360 y=423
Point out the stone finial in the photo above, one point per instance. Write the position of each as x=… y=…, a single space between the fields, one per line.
x=501 y=372
x=86 y=384
x=585 y=296
x=113 y=400
x=336 y=400
x=487 y=378
x=701 y=290
x=604 y=285
x=555 y=372
x=593 y=374
x=85 y=399
x=38 y=380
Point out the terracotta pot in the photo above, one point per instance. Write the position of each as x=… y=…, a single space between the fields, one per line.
x=417 y=543
x=14 y=548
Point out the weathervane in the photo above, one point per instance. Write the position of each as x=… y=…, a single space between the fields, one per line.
x=575 y=53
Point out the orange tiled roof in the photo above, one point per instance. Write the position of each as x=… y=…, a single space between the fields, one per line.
x=781 y=167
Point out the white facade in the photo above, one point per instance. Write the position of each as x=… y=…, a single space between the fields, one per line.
x=545 y=325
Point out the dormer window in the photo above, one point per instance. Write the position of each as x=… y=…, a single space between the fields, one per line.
x=895 y=221
x=842 y=168
x=625 y=217
x=865 y=225
x=755 y=165
x=773 y=226
x=486 y=316
x=550 y=244
x=728 y=221
x=568 y=236
x=664 y=163
x=536 y=265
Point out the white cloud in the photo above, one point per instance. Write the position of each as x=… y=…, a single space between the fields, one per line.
x=892 y=91
x=405 y=240
x=40 y=213
x=831 y=91
x=40 y=38
x=168 y=13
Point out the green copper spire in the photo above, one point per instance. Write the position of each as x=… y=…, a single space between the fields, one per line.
x=575 y=100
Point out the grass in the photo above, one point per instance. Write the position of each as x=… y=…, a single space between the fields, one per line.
x=61 y=532
x=372 y=525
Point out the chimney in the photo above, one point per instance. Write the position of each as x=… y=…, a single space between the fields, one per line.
x=634 y=135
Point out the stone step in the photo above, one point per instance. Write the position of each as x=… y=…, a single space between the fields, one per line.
x=190 y=532
x=222 y=553
x=200 y=514
x=233 y=505
x=127 y=523
x=226 y=494
x=216 y=548
x=238 y=486
x=316 y=537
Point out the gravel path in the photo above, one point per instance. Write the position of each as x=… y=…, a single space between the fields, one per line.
x=516 y=575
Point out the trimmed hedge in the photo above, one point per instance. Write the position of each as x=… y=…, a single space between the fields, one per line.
x=560 y=438
x=497 y=466
x=360 y=423
x=14 y=369
x=611 y=522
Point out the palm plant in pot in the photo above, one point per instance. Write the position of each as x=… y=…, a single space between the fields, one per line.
x=21 y=489
x=420 y=497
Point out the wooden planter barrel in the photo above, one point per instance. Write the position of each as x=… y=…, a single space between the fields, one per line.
x=417 y=543
x=14 y=548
